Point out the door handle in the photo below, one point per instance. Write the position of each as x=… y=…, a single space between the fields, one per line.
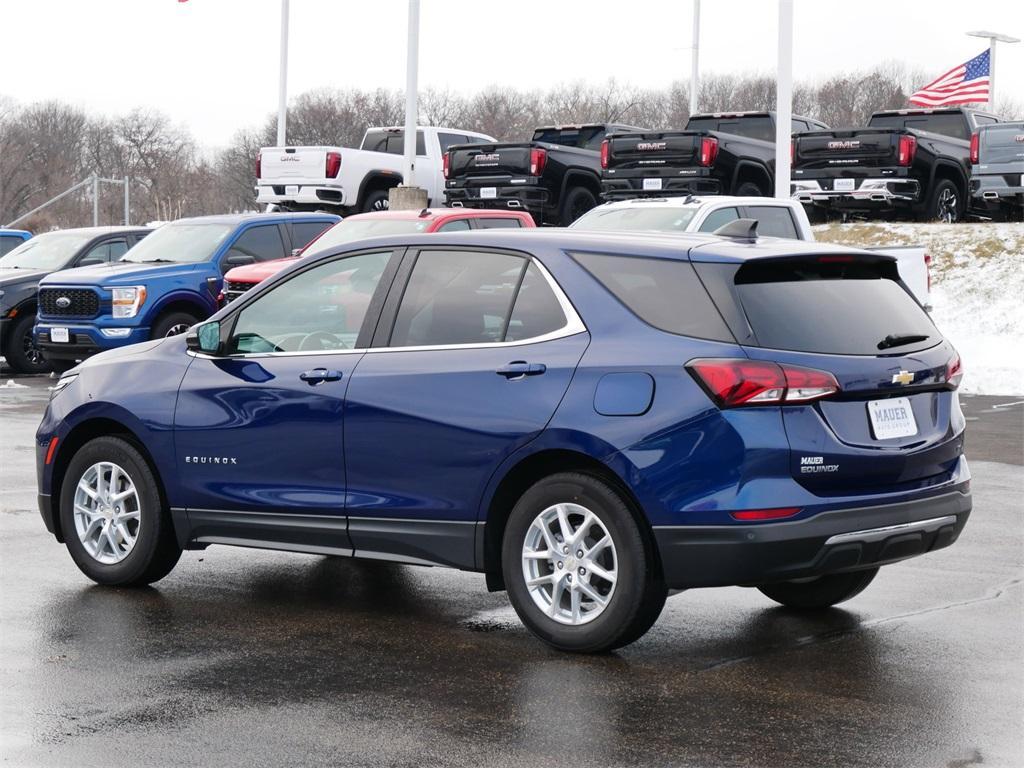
x=520 y=368
x=319 y=375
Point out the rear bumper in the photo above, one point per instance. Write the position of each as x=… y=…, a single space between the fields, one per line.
x=992 y=192
x=533 y=199
x=830 y=542
x=624 y=187
x=302 y=194
x=83 y=340
x=870 y=194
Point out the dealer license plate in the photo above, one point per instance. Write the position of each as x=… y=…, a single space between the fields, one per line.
x=844 y=185
x=892 y=418
x=291 y=189
x=488 y=193
x=59 y=335
x=652 y=183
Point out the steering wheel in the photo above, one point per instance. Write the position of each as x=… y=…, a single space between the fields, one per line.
x=315 y=342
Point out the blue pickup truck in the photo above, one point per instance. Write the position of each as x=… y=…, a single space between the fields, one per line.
x=168 y=282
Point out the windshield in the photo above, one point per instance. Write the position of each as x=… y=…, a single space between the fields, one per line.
x=589 y=137
x=636 y=218
x=180 y=243
x=356 y=229
x=49 y=251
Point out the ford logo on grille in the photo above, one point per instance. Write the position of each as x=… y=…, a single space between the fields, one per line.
x=63 y=302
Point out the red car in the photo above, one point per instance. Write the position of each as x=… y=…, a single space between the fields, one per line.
x=240 y=279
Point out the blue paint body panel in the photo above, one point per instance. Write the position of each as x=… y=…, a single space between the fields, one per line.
x=624 y=394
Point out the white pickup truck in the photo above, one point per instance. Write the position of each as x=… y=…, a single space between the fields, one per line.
x=346 y=180
x=775 y=218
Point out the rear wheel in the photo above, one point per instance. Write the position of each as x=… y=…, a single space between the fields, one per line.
x=116 y=526
x=376 y=201
x=578 y=201
x=172 y=324
x=945 y=204
x=822 y=592
x=576 y=568
x=749 y=189
x=21 y=351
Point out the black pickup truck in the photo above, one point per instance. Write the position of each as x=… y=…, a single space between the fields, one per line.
x=997 y=170
x=556 y=176
x=913 y=160
x=716 y=154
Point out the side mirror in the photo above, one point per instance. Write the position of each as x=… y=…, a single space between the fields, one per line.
x=297 y=251
x=205 y=338
x=90 y=261
x=236 y=259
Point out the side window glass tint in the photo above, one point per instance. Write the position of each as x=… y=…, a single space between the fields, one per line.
x=319 y=310
x=304 y=232
x=116 y=249
x=457 y=297
x=719 y=218
x=773 y=221
x=498 y=223
x=447 y=139
x=456 y=225
x=259 y=243
x=537 y=311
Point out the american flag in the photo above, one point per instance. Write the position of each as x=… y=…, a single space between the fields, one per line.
x=966 y=84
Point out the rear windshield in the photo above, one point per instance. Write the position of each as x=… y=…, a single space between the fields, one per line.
x=834 y=308
x=949 y=124
x=665 y=293
x=673 y=219
x=589 y=137
x=754 y=127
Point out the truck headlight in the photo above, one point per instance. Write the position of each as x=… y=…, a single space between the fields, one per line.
x=128 y=300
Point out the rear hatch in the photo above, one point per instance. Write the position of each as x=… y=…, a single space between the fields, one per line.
x=895 y=423
x=851 y=150
x=643 y=151
x=292 y=165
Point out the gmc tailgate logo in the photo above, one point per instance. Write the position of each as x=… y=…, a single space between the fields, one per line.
x=491 y=159
x=651 y=146
x=843 y=144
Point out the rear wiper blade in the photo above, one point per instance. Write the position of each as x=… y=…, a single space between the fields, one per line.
x=899 y=339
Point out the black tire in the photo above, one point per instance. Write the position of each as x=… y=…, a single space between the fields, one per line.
x=172 y=324
x=823 y=592
x=946 y=203
x=21 y=351
x=639 y=592
x=156 y=549
x=376 y=201
x=749 y=189
x=578 y=201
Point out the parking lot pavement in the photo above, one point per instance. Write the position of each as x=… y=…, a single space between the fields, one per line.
x=243 y=657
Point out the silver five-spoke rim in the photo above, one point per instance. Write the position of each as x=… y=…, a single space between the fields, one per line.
x=107 y=512
x=569 y=564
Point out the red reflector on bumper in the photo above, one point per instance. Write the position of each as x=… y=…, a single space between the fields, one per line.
x=765 y=514
x=51 y=449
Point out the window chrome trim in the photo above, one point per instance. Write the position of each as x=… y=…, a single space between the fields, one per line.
x=574 y=325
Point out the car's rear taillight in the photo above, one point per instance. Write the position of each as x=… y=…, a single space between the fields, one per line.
x=906 y=151
x=604 y=153
x=735 y=382
x=538 y=159
x=446 y=160
x=333 y=165
x=708 y=151
x=792 y=150
x=259 y=165
x=954 y=372
x=975 y=141
x=928 y=270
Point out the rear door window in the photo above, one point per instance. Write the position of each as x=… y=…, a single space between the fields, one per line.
x=497 y=223
x=304 y=232
x=773 y=220
x=844 y=308
x=665 y=293
x=455 y=225
x=719 y=218
x=262 y=243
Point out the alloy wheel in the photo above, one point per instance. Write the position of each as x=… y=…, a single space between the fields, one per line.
x=176 y=329
x=107 y=512
x=946 y=208
x=33 y=355
x=569 y=564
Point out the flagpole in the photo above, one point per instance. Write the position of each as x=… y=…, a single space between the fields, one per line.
x=993 y=37
x=695 y=58
x=784 y=100
x=282 y=92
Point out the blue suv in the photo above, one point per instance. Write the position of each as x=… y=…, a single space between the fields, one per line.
x=165 y=284
x=590 y=419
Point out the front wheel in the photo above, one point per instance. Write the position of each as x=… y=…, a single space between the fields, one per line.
x=116 y=527
x=576 y=566
x=822 y=592
x=22 y=353
x=172 y=324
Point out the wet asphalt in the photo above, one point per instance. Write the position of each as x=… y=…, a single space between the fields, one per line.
x=250 y=658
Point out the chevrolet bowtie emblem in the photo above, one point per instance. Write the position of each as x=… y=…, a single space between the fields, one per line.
x=903 y=377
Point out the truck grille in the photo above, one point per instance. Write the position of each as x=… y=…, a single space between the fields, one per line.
x=69 y=302
x=232 y=289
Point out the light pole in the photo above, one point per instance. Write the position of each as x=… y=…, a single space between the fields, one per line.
x=407 y=195
x=992 y=38
x=282 y=88
x=695 y=58
x=784 y=99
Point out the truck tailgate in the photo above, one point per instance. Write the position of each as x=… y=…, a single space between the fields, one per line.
x=645 y=150
x=488 y=160
x=858 y=148
x=293 y=164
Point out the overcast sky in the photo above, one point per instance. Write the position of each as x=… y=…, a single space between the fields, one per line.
x=212 y=65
